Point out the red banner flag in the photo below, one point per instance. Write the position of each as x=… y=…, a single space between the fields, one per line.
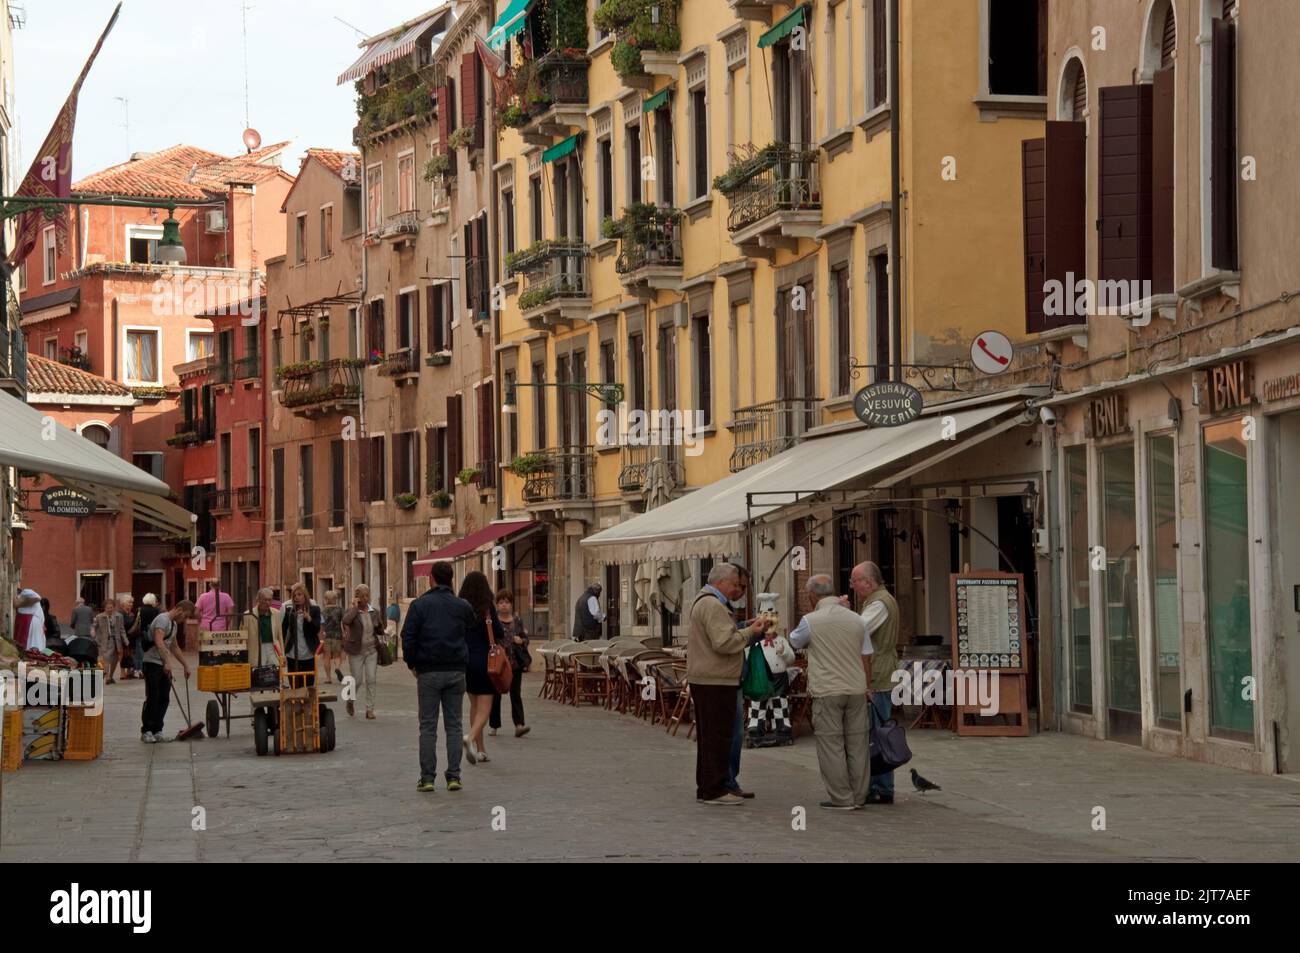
x=503 y=80
x=51 y=173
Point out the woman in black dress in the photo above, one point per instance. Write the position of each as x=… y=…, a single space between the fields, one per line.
x=478 y=593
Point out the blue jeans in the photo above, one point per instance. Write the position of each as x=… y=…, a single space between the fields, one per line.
x=445 y=690
x=881 y=708
x=737 y=736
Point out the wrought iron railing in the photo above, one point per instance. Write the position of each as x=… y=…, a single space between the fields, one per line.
x=783 y=180
x=403 y=223
x=562 y=272
x=75 y=357
x=487 y=474
x=334 y=380
x=222 y=373
x=478 y=292
x=404 y=361
x=766 y=429
x=249 y=366
x=637 y=459
x=567 y=474
x=220 y=500
x=649 y=238
x=554 y=78
x=249 y=497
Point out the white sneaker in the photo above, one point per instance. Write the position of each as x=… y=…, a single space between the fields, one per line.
x=148 y=737
x=481 y=755
x=469 y=750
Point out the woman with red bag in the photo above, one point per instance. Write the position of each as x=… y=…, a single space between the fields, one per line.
x=478 y=683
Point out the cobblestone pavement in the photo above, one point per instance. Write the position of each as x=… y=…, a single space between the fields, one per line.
x=587 y=784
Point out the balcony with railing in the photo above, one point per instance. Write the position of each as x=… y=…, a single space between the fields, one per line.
x=637 y=460
x=766 y=429
x=401 y=226
x=249 y=366
x=557 y=274
x=190 y=432
x=220 y=500
x=566 y=474
x=487 y=474
x=249 y=497
x=649 y=248
x=402 y=365
x=317 y=388
x=551 y=97
x=221 y=372
x=775 y=197
x=75 y=357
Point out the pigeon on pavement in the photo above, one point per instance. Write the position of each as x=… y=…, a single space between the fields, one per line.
x=922 y=785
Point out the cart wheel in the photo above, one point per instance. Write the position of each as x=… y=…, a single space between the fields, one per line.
x=275 y=741
x=326 y=729
x=213 y=718
x=260 y=731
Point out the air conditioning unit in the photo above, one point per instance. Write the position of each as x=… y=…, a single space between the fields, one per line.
x=216 y=220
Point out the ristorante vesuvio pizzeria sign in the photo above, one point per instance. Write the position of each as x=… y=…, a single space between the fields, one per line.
x=888 y=404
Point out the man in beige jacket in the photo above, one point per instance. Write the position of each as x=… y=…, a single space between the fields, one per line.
x=839 y=658
x=713 y=660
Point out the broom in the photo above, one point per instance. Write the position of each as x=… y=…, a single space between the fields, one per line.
x=196 y=727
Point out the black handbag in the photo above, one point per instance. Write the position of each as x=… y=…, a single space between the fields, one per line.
x=265 y=676
x=888 y=744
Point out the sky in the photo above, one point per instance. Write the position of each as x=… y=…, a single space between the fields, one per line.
x=180 y=66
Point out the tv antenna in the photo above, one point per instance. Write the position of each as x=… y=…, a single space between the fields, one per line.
x=126 y=121
x=355 y=29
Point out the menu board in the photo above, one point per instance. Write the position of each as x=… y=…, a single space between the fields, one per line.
x=988 y=611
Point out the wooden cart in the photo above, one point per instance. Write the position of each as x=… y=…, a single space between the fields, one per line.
x=293 y=719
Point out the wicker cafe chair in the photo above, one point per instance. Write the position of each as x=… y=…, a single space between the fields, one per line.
x=637 y=667
x=800 y=700
x=552 y=687
x=587 y=678
x=614 y=677
x=683 y=710
x=670 y=684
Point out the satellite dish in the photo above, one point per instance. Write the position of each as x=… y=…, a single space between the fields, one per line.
x=252 y=139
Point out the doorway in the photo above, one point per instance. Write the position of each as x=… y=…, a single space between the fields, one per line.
x=1286 y=544
x=1119 y=595
x=94 y=588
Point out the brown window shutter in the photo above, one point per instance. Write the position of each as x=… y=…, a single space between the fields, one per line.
x=1079 y=96
x=381 y=482
x=1033 y=183
x=1162 y=182
x=443 y=96
x=1223 y=147
x=1168 y=38
x=430 y=457
x=468 y=89
x=447 y=303
x=487 y=401
x=1064 y=211
x=363 y=472
x=414 y=297
x=1124 y=180
x=453 y=435
x=431 y=310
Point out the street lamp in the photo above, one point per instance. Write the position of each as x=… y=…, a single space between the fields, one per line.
x=611 y=395
x=171 y=250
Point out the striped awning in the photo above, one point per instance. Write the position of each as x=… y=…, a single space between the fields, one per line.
x=784 y=27
x=658 y=99
x=387 y=48
x=561 y=149
x=508 y=24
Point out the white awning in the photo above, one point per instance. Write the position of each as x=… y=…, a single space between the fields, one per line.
x=711 y=519
x=29 y=440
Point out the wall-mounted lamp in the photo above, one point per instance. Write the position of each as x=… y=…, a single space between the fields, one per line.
x=889 y=520
x=956 y=514
x=765 y=542
x=818 y=540
x=1031 y=498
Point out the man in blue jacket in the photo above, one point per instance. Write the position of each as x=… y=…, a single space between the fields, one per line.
x=433 y=645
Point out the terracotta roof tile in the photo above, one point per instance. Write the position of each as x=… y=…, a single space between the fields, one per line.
x=337 y=162
x=183 y=172
x=50 y=377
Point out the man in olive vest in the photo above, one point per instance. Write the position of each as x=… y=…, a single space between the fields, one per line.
x=880 y=614
x=588 y=614
x=839 y=657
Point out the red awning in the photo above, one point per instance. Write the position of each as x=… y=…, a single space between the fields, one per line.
x=468 y=544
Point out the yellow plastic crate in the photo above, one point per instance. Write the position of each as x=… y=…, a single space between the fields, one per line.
x=236 y=677
x=210 y=678
x=13 y=739
x=85 y=737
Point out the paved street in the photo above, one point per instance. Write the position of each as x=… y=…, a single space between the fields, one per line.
x=587 y=784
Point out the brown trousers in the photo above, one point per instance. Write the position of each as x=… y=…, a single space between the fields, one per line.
x=715 y=722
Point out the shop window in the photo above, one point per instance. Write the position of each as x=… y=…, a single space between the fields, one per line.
x=1162 y=516
x=1119 y=537
x=1227 y=578
x=1078 y=607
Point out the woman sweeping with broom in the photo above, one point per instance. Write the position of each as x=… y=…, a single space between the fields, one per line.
x=162 y=646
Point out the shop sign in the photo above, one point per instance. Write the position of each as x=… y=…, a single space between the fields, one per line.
x=440 y=526
x=888 y=404
x=60 y=501
x=1280 y=387
x=1229 y=386
x=1107 y=416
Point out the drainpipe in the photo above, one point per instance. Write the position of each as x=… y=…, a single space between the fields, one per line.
x=361 y=404
x=895 y=197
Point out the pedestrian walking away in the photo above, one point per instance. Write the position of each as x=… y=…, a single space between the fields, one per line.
x=839 y=654
x=163 y=649
x=588 y=616
x=82 y=620
x=476 y=590
x=434 y=645
x=713 y=661
x=215 y=609
x=360 y=626
x=516 y=637
x=332 y=624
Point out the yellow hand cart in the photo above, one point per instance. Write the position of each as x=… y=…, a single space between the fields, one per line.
x=293 y=719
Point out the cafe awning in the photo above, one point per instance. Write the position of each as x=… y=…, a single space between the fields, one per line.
x=31 y=441
x=784 y=27
x=508 y=24
x=561 y=148
x=390 y=46
x=474 y=541
x=711 y=519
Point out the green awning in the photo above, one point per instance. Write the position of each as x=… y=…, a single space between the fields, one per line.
x=561 y=149
x=510 y=23
x=658 y=99
x=784 y=27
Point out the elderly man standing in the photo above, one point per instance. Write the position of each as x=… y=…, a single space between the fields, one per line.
x=880 y=615
x=713 y=659
x=262 y=625
x=839 y=658
x=588 y=616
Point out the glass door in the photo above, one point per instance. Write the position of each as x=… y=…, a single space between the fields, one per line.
x=1162 y=517
x=1120 y=619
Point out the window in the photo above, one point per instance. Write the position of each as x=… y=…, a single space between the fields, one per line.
x=81 y=341
x=351 y=210
x=539 y=406
x=1119 y=537
x=535 y=205
x=406 y=458
x=668 y=367
x=632 y=143
x=151 y=462
x=1162 y=518
x=1227 y=576
x=455 y=435
x=255 y=457
x=511 y=449
x=306 y=498
x=605 y=164
x=408 y=561
x=49 y=255
x=1224 y=175
x=408 y=317
x=374 y=197
x=699 y=144
x=878 y=54
x=794 y=344
x=224 y=462
x=1078 y=604
x=326 y=231
x=52 y=349
x=97 y=434
x=338 y=484
x=142 y=356
x=371 y=464
x=439 y=309
x=277 y=490
x=843 y=316
x=354 y=331
x=636 y=396
x=142 y=243
x=22 y=276
x=303 y=332
x=1017 y=48
x=487 y=439
x=792 y=89
x=881 y=356
x=830 y=121
x=703 y=368
x=441 y=478
x=664 y=158
x=608 y=367
x=300 y=238
x=199 y=345
x=375 y=336
x=507 y=221
x=277 y=349
x=406 y=182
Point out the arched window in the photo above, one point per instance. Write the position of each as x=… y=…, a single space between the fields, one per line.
x=97 y=434
x=1168 y=38
x=1073 y=100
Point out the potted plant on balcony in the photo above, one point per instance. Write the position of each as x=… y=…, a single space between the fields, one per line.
x=406 y=501
x=468 y=475
x=437 y=167
x=512 y=116
x=440 y=500
x=528 y=463
x=462 y=138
